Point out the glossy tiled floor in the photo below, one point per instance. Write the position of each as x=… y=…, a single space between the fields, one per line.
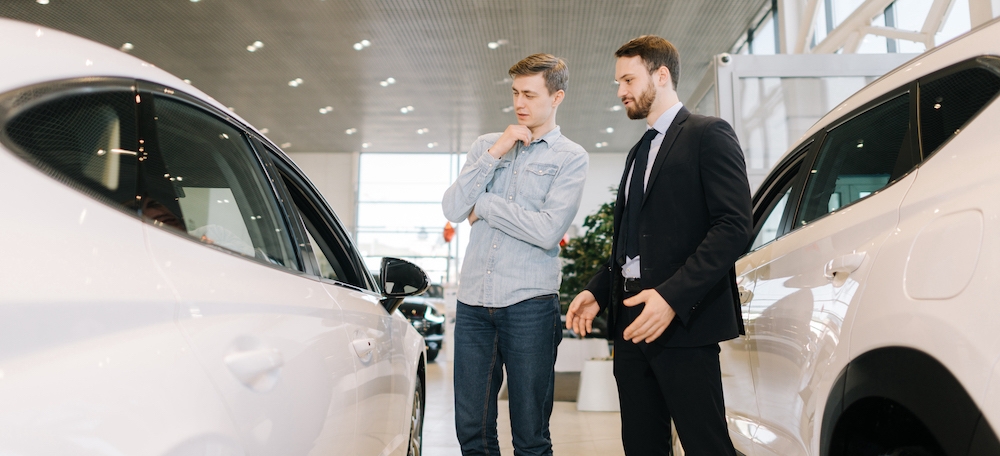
x=573 y=433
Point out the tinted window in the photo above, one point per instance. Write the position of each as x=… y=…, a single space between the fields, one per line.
x=331 y=250
x=88 y=140
x=771 y=227
x=947 y=104
x=857 y=159
x=210 y=185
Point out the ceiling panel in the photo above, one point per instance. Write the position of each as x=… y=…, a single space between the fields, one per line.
x=436 y=51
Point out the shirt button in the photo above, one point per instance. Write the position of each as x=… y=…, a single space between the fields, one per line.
x=510 y=197
x=477 y=185
x=515 y=172
x=489 y=272
x=494 y=246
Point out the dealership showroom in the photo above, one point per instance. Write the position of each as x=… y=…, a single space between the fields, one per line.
x=334 y=227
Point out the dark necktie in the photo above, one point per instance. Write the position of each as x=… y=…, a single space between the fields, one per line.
x=629 y=240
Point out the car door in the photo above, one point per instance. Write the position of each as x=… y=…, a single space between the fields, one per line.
x=805 y=282
x=383 y=378
x=267 y=333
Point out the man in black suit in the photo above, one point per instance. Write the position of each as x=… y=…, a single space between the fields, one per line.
x=681 y=220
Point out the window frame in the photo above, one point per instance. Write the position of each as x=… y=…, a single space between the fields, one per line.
x=788 y=174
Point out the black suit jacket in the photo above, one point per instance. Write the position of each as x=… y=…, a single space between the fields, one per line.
x=695 y=221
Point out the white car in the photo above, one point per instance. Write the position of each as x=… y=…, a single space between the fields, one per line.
x=172 y=284
x=869 y=289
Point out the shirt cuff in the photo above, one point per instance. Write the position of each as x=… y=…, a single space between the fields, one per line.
x=486 y=161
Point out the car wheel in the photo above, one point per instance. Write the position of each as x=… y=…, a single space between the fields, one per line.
x=432 y=353
x=417 y=420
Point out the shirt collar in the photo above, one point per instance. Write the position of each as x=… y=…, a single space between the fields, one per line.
x=549 y=137
x=663 y=123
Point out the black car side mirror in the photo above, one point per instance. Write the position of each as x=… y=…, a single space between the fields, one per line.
x=400 y=278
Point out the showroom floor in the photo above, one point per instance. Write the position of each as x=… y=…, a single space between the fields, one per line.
x=573 y=432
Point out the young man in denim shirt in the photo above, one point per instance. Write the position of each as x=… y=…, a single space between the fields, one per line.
x=520 y=190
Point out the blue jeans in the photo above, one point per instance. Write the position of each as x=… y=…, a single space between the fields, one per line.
x=524 y=338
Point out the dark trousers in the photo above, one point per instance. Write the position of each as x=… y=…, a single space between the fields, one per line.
x=657 y=384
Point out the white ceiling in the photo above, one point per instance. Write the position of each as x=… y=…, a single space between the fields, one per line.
x=436 y=51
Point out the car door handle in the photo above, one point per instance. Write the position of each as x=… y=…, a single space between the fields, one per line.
x=257 y=368
x=839 y=268
x=363 y=348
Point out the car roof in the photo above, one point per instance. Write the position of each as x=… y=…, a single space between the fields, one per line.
x=41 y=54
x=983 y=40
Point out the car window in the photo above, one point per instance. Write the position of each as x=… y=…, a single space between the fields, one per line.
x=771 y=226
x=948 y=103
x=857 y=159
x=332 y=250
x=87 y=140
x=210 y=186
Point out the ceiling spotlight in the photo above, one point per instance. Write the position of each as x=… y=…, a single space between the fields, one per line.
x=383 y=84
x=358 y=46
x=390 y=80
x=601 y=144
x=127 y=47
x=406 y=109
x=188 y=81
x=43 y=2
x=251 y=48
x=615 y=108
x=351 y=131
x=508 y=109
x=609 y=130
x=295 y=82
x=258 y=44
x=431 y=145
x=286 y=145
x=422 y=131
x=264 y=131
x=326 y=110
x=366 y=145
x=366 y=43
x=493 y=45
x=195 y=1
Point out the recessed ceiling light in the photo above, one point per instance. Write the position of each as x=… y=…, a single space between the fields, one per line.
x=43 y=2
x=264 y=131
x=326 y=110
x=258 y=44
x=366 y=43
x=390 y=80
x=195 y=1
x=383 y=84
x=127 y=47
x=251 y=48
x=431 y=145
x=295 y=82
x=422 y=131
x=508 y=109
x=406 y=109
x=286 y=145
x=188 y=81
x=616 y=108
x=358 y=46
x=366 y=145
x=496 y=44
x=351 y=131
x=609 y=130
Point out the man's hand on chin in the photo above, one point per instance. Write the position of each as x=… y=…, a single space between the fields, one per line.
x=653 y=319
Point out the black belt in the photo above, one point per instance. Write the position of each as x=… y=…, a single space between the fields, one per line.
x=631 y=285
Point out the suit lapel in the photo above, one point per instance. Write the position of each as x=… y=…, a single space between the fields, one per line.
x=668 y=141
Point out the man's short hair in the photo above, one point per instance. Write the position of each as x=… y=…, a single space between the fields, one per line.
x=552 y=68
x=655 y=52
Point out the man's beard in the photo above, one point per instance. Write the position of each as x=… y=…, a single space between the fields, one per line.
x=640 y=107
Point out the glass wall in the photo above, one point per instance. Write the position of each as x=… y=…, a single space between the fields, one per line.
x=399 y=211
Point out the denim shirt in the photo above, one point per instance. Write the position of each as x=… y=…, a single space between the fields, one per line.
x=526 y=200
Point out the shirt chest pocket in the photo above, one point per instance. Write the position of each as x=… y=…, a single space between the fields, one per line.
x=536 y=181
